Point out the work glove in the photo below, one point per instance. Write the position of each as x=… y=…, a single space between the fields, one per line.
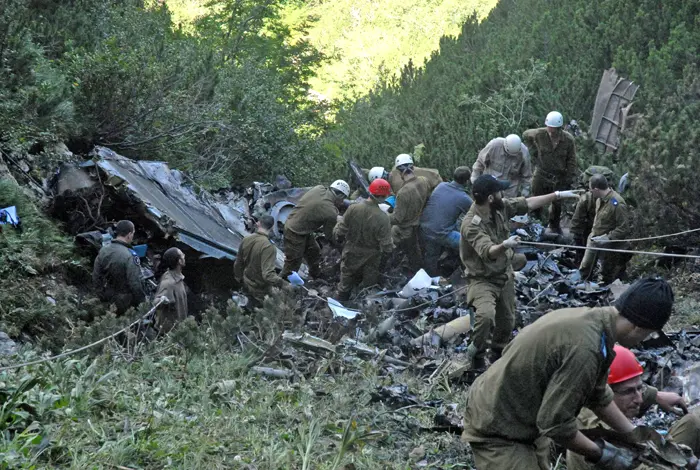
x=512 y=242
x=568 y=194
x=295 y=280
x=600 y=239
x=615 y=458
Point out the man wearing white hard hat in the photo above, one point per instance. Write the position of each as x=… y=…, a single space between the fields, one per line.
x=553 y=152
x=316 y=210
x=405 y=160
x=507 y=159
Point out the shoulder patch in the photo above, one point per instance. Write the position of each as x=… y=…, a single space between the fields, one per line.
x=614 y=202
x=135 y=257
x=476 y=220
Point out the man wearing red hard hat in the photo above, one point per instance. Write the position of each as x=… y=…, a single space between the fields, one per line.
x=634 y=398
x=366 y=231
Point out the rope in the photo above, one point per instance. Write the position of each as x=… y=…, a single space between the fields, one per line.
x=74 y=351
x=613 y=250
x=677 y=234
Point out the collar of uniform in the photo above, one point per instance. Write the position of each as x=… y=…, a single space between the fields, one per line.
x=119 y=242
x=608 y=196
x=483 y=211
x=456 y=185
x=177 y=277
x=266 y=235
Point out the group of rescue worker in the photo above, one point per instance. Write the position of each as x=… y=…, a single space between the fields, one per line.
x=534 y=387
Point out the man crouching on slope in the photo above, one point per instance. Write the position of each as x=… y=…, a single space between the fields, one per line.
x=549 y=372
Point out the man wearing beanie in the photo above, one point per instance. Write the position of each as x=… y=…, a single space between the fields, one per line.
x=487 y=251
x=548 y=373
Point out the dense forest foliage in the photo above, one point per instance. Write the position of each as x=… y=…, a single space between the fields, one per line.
x=228 y=89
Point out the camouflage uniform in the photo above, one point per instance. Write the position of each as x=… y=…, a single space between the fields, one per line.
x=432 y=176
x=610 y=219
x=172 y=286
x=316 y=209
x=556 y=166
x=494 y=160
x=405 y=219
x=116 y=276
x=491 y=288
x=534 y=392
x=367 y=233
x=255 y=266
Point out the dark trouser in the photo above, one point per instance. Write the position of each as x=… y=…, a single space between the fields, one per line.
x=358 y=267
x=542 y=185
x=432 y=249
x=406 y=241
x=298 y=248
x=612 y=264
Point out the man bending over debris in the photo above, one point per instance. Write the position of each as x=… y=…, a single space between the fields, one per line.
x=634 y=398
x=255 y=263
x=397 y=181
x=367 y=233
x=410 y=200
x=116 y=274
x=584 y=214
x=486 y=249
x=609 y=226
x=439 y=223
x=317 y=209
x=551 y=370
x=172 y=286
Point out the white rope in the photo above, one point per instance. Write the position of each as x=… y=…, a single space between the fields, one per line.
x=677 y=234
x=613 y=250
x=74 y=351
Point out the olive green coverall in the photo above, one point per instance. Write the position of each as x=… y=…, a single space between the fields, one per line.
x=116 y=276
x=491 y=288
x=172 y=286
x=367 y=234
x=255 y=266
x=432 y=176
x=405 y=220
x=316 y=210
x=535 y=391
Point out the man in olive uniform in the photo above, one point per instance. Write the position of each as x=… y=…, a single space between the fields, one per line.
x=317 y=209
x=609 y=226
x=548 y=373
x=116 y=274
x=367 y=234
x=553 y=152
x=396 y=180
x=486 y=249
x=506 y=159
x=634 y=398
x=405 y=219
x=172 y=286
x=584 y=214
x=255 y=264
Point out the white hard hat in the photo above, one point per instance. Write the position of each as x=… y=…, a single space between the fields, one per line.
x=512 y=144
x=403 y=159
x=554 y=119
x=342 y=186
x=375 y=172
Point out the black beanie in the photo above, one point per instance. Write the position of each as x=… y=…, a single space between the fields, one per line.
x=647 y=303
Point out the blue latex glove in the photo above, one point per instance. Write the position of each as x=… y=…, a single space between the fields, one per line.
x=391 y=200
x=295 y=280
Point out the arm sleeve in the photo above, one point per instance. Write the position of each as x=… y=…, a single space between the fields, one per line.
x=648 y=400
x=479 y=240
x=133 y=275
x=166 y=290
x=566 y=394
x=526 y=172
x=98 y=275
x=578 y=221
x=529 y=141
x=515 y=206
x=386 y=245
x=621 y=227
x=331 y=219
x=400 y=213
x=269 y=274
x=238 y=266
x=479 y=164
x=341 y=229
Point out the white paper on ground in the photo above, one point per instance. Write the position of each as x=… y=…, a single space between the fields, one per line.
x=417 y=283
x=340 y=311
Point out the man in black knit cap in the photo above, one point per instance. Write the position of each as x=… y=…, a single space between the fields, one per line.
x=552 y=368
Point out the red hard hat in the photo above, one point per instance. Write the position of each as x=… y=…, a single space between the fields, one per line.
x=380 y=187
x=624 y=367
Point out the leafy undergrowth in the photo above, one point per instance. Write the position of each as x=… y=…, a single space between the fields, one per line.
x=36 y=302
x=201 y=406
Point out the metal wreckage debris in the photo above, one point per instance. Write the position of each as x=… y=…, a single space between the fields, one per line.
x=421 y=325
